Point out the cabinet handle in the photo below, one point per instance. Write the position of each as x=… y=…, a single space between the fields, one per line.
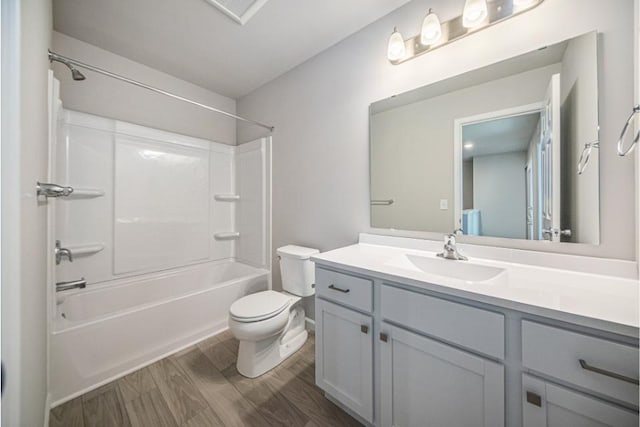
x=534 y=398
x=335 y=288
x=606 y=373
x=384 y=337
x=364 y=329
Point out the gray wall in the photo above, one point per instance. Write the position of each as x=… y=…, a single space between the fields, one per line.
x=111 y=98
x=412 y=148
x=24 y=247
x=320 y=111
x=499 y=193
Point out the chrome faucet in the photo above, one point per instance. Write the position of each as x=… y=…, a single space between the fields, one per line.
x=73 y=284
x=62 y=252
x=450 y=249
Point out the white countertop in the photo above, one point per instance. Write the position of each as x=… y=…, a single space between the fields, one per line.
x=592 y=300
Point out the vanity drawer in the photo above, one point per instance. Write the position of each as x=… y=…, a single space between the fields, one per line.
x=343 y=288
x=470 y=327
x=558 y=353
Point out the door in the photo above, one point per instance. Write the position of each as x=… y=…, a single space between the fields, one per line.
x=550 y=161
x=344 y=356
x=528 y=171
x=548 y=405
x=425 y=383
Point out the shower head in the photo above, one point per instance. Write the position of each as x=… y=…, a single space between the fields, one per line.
x=75 y=73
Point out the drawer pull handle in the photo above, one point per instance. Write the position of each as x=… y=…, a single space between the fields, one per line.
x=606 y=373
x=384 y=337
x=335 y=288
x=534 y=398
x=364 y=329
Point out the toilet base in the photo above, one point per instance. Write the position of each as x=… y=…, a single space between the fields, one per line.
x=258 y=357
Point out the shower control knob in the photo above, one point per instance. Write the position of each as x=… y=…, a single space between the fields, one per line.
x=53 y=190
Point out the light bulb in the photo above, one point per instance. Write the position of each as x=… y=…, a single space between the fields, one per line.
x=524 y=3
x=396 y=49
x=431 y=29
x=475 y=11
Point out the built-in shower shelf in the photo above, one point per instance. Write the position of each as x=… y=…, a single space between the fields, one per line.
x=227 y=197
x=230 y=235
x=85 y=193
x=88 y=249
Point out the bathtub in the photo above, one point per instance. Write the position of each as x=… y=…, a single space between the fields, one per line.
x=109 y=330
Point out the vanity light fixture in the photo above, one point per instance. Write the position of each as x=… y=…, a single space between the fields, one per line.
x=476 y=15
x=396 y=49
x=524 y=3
x=468 y=145
x=431 y=29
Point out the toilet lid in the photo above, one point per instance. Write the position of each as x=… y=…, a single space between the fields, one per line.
x=259 y=306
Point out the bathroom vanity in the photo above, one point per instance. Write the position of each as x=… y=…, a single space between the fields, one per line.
x=404 y=338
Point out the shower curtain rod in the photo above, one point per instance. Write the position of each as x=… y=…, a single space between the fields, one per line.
x=69 y=61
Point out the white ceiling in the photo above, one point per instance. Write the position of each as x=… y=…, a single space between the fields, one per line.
x=193 y=40
x=499 y=136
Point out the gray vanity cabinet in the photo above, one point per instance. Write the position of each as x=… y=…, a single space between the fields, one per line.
x=549 y=405
x=344 y=356
x=422 y=379
x=440 y=360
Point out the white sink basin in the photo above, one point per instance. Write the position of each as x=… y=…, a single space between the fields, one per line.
x=462 y=270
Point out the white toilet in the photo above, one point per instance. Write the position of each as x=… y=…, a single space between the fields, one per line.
x=270 y=325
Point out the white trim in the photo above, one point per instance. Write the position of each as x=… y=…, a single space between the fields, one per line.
x=457 y=146
x=10 y=251
x=245 y=17
x=55 y=108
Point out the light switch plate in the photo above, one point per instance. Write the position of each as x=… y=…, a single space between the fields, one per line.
x=444 y=204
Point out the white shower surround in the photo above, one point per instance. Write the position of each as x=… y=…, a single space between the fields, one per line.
x=159 y=279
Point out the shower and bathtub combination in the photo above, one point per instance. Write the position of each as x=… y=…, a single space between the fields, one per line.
x=167 y=231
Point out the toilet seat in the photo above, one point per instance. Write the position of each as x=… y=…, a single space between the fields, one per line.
x=259 y=306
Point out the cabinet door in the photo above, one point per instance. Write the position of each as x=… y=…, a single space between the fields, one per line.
x=425 y=383
x=548 y=405
x=344 y=356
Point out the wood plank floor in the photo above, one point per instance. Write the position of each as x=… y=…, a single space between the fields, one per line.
x=200 y=387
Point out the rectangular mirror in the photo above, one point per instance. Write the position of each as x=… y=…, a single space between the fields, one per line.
x=509 y=150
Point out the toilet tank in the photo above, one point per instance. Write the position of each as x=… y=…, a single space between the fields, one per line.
x=297 y=269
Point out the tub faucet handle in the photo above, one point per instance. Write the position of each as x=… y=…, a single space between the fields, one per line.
x=62 y=252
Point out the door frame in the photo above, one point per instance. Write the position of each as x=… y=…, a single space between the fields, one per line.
x=458 y=124
x=10 y=251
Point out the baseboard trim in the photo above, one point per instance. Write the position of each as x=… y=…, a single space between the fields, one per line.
x=310 y=324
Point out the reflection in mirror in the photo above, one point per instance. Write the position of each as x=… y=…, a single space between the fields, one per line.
x=494 y=151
